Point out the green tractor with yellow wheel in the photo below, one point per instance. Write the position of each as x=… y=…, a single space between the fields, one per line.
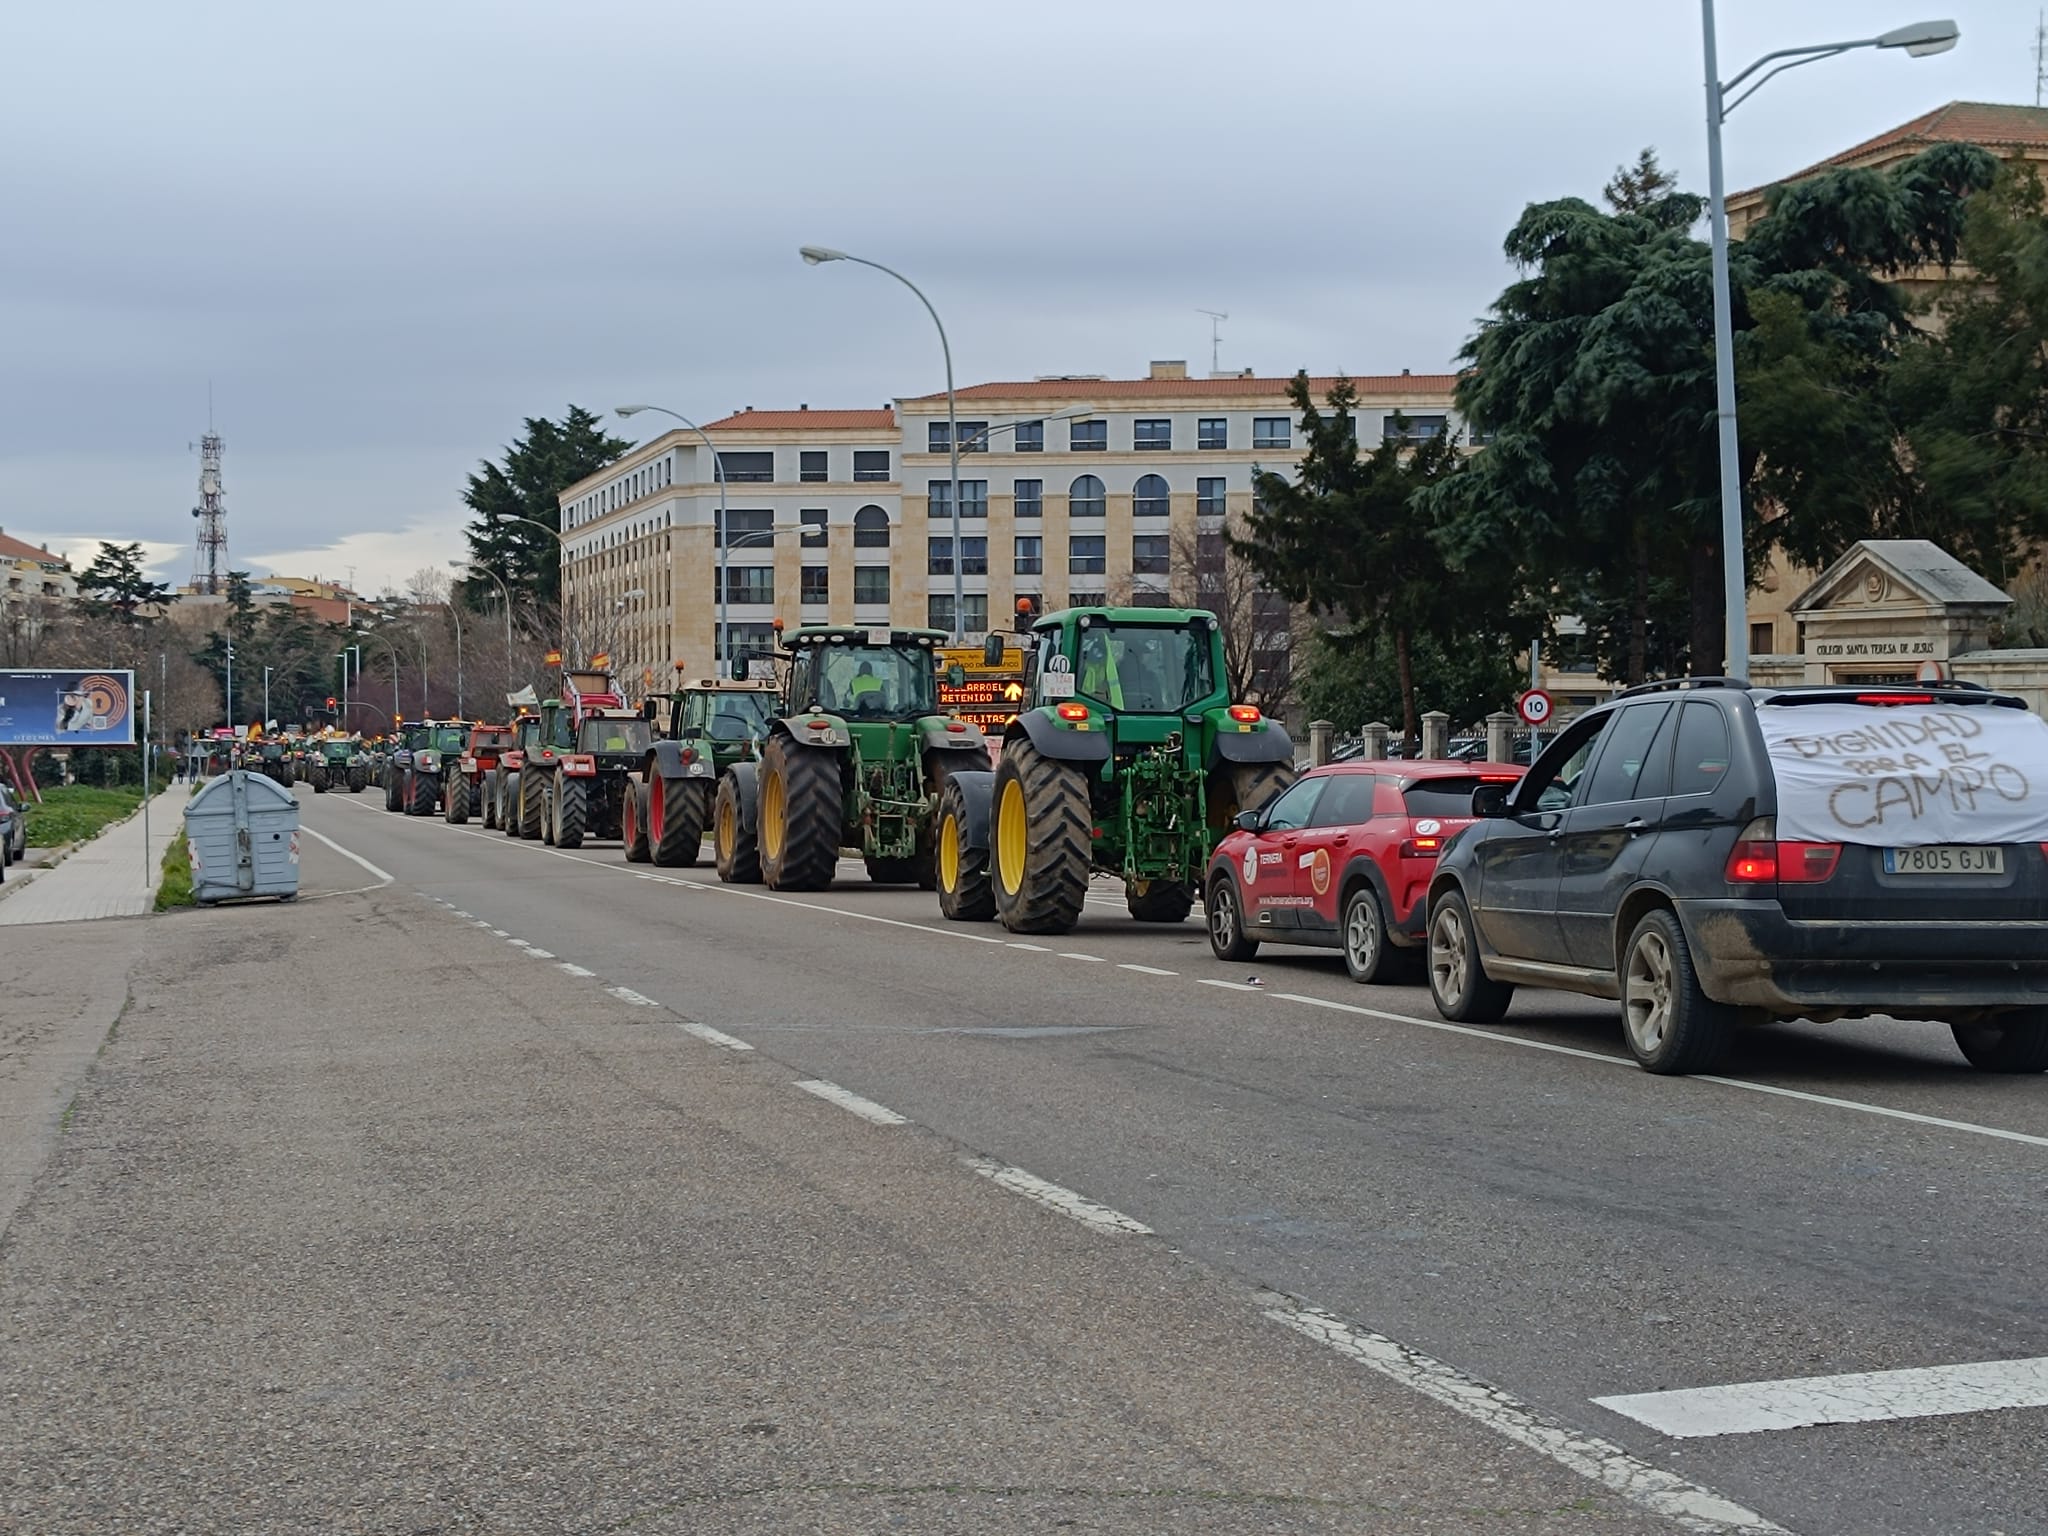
x=1129 y=759
x=856 y=760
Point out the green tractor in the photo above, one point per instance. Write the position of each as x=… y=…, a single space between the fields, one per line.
x=857 y=759
x=707 y=725
x=1129 y=759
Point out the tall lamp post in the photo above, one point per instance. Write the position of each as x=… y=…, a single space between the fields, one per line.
x=563 y=556
x=814 y=255
x=1919 y=40
x=724 y=533
x=371 y=634
x=266 y=698
x=469 y=571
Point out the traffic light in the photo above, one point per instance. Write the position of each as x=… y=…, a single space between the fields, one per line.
x=330 y=703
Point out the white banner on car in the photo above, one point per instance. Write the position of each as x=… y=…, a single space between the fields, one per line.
x=1906 y=775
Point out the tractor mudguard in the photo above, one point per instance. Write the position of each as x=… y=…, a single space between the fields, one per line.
x=932 y=736
x=1091 y=746
x=978 y=789
x=669 y=764
x=1271 y=745
x=833 y=733
x=746 y=783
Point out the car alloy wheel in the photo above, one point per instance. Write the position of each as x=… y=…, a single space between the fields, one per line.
x=1365 y=936
x=1449 y=953
x=1646 y=993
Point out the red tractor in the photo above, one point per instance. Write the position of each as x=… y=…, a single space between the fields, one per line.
x=590 y=744
x=463 y=788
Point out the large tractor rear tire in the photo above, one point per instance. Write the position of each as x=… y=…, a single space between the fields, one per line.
x=532 y=807
x=678 y=811
x=572 y=812
x=358 y=780
x=965 y=894
x=456 y=808
x=1244 y=787
x=1158 y=901
x=487 y=792
x=735 y=847
x=1039 y=833
x=394 y=782
x=633 y=823
x=419 y=795
x=801 y=804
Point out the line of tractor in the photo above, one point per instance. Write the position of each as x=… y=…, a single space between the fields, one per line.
x=1126 y=757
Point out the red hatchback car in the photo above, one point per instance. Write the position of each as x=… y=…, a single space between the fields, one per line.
x=1342 y=860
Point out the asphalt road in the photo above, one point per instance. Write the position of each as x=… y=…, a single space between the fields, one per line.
x=1518 y=1206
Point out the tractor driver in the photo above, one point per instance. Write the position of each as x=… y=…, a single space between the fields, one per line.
x=865 y=688
x=1101 y=656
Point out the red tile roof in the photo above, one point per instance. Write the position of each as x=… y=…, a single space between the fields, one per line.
x=786 y=421
x=14 y=549
x=1995 y=125
x=1081 y=390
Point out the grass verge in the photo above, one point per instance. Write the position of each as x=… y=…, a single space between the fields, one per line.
x=72 y=813
x=176 y=891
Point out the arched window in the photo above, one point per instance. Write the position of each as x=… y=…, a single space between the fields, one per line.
x=1151 y=497
x=870 y=528
x=1084 y=497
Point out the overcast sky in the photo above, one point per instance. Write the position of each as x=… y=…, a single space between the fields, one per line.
x=386 y=232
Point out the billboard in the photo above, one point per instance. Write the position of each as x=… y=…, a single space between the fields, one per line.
x=989 y=696
x=67 y=709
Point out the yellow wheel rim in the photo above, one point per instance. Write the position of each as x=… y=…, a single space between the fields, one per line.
x=724 y=836
x=949 y=854
x=772 y=809
x=1011 y=835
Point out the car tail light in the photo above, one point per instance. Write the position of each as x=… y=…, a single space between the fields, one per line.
x=1894 y=698
x=1072 y=711
x=1760 y=858
x=1422 y=847
x=1245 y=714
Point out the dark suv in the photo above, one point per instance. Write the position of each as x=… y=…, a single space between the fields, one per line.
x=1710 y=854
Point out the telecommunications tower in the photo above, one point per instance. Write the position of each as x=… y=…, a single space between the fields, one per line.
x=209 y=564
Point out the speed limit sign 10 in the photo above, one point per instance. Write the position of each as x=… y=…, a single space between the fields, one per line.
x=1534 y=707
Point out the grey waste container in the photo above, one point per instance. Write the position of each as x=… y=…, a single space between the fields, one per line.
x=243 y=830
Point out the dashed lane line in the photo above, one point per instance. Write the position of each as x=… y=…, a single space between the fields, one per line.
x=1228 y=986
x=1068 y=954
x=1036 y=949
x=628 y=995
x=1864 y=1397
x=1688 y=1504
x=713 y=1036
x=1144 y=970
x=852 y=1103
x=574 y=970
x=1056 y=1197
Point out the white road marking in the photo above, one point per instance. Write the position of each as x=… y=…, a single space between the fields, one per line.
x=1862 y=1398
x=1038 y=949
x=628 y=995
x=498 y=933
x=1691 y=1506
x=357 y=857
x=1878 y=1109
x=1228 y=986
x=464 y=914
x=1145 y=970
x=1449 y=1028
x=575 y=970
x=534 y=950
x=1068 y=954
x=1056 y=1197
x=852 y=1103
x=714 y=1036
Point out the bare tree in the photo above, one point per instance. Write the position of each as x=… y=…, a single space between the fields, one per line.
x=1259 y=626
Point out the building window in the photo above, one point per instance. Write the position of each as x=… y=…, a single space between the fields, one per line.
x=813 y=520
x=1209 y=496
x=1030 y=558
x=1076 y=598
x=870 y=528
x=1030 y=436
x=811 y=465
x=1154 y=432
x=1272 y=432
x=1027 y=498
x=740 y=467
x=973 y=612
x=871 y=464
x=1761 y=641
x=973 y=557
x=1145 y=597
x=1152 y=554
x=1085 y=497
x=1413 y=429
x=973 y=499
x=749 y=639
x=1151 y=497
x=1087 y=554
x=973 y=436
x=747 y=584
x=870 y=585
x=749 y=525
x=816 y=584
x=1088 y=436
x=939 y=557
x=1212 y=432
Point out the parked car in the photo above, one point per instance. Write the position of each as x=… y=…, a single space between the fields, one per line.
x=1711 y=854
x=1342 y=860
x=13 y=831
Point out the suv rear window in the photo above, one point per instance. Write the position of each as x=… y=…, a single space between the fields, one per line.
x=1702 y=760
x=1440 y=797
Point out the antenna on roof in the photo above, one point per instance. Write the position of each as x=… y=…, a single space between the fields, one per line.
x=1216 y=319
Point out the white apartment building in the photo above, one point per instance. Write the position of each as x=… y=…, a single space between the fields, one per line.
x=1073 y=490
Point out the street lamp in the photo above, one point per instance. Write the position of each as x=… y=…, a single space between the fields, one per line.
x=470 y=569
x=371 y=634
x=724 y=533
x=266 y=698
x=1919 y=40
x=562 y=558
x=813 y=255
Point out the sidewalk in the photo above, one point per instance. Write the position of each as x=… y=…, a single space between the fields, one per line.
x=107 y=877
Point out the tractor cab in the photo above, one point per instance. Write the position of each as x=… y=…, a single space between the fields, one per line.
x=888 y=676
x=614 y=733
